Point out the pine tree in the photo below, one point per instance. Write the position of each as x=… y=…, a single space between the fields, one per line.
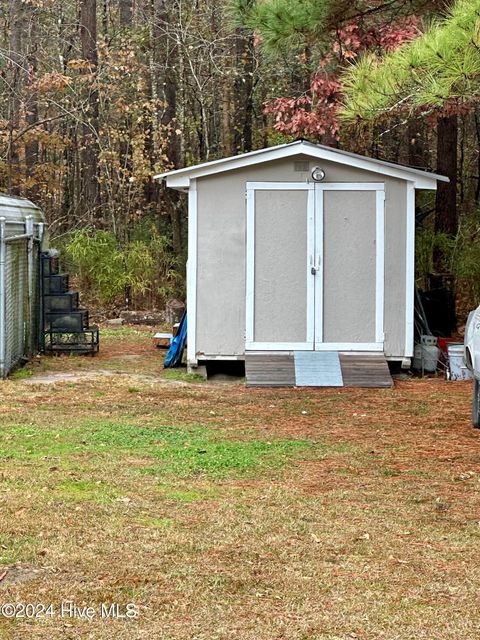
x=436 y=73
x=441 y=65
x=286 y=23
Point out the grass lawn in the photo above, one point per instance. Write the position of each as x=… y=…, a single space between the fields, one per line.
x=227 y=513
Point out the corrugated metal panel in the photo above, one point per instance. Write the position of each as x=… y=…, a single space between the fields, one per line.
x=318 y=369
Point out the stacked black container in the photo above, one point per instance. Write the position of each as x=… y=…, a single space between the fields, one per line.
x=66 y=327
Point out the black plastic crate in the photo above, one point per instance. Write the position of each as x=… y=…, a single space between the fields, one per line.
x=86 y=342
x=73 y=321
x=65 y=327
x=50 y=265
x=56 y=283
x=61 y=302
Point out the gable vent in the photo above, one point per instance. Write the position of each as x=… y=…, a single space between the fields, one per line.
x=301 y=166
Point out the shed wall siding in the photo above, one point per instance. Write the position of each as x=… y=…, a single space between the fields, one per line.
x=220 y=320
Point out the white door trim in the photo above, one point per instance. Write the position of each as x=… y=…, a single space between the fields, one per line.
x=250 y=270
x=310 y=262
x=250 y=343
x=326 y=346
x=379 y=188
x=349 y=346
x=280 y=186
x=350 y=186
x=410 y=271
x=318 y=319
x=380 y=267
x=192 y=274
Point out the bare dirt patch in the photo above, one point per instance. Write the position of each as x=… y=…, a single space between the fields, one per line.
x=17 y=575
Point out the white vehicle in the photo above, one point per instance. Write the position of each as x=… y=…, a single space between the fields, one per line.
x=472 y=360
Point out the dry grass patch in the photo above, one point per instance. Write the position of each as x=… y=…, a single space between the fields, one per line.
x=232 y=513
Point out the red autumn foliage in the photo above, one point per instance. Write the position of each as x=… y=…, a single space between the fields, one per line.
x=314 y=114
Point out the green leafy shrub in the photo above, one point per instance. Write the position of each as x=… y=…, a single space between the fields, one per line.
x=98 y=263
x=460 y=256
x=465 y=256
x=105 y=268
x=427 y=243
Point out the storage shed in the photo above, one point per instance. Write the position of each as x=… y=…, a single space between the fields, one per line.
x=22 y=228
x=301 y=261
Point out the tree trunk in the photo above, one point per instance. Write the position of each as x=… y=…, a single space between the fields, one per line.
x=226 y=118
x=125 y=19
x=105 y=12
x=477 y=131
x=89 y=144
x=31 y=110
x=461 y=160
x=446 y=219
x=167 y=79
x=243 y=92
x=126 y=13
x=416 y=146
x=17 y=67
x=165 y=58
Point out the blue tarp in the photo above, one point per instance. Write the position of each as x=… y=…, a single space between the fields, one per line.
x=175 y=353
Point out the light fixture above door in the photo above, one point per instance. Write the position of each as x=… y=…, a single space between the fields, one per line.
x=318 y=174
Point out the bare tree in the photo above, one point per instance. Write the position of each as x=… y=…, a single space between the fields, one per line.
x=125 y=13
x=89 y=142
x=447 y=157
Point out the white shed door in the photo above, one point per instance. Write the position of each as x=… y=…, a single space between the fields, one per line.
x=314 y=266
x=280 y=246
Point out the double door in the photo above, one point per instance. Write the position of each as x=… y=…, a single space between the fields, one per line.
x=315 y=266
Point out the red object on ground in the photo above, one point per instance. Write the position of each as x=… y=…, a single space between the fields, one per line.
x=443 y=342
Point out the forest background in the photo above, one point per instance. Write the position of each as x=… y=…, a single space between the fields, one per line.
x=97 y=96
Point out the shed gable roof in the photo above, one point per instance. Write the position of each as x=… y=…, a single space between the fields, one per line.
x=180 y=178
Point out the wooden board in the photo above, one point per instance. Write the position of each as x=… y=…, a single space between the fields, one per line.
x=368 y=370
x=317 y=369
x=269 y=370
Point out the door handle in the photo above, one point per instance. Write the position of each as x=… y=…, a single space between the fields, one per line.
x=315 y=266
